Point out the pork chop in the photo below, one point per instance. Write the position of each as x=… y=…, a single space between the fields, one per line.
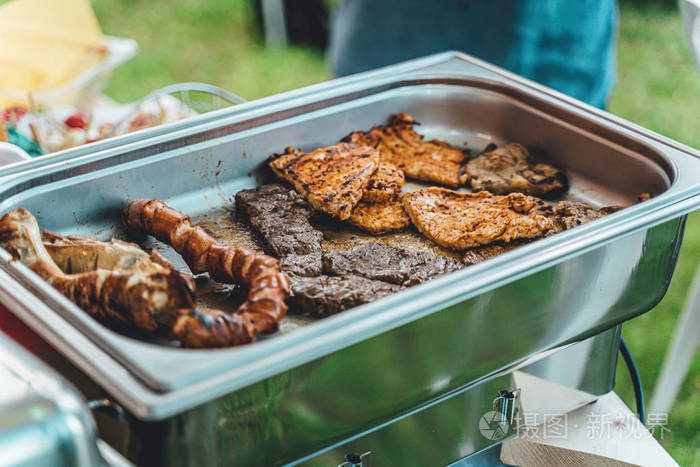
x=379 y=218
x=466 y=220
x=385 y=184
x=332 y=179
x=399 y=144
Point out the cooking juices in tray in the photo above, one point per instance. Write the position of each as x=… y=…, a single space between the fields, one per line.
x=343 y=227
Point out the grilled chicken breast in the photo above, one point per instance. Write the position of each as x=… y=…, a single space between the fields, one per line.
x=332 y=179
x=466 y=220
x=385 y=184
x=379 y=218
x=399 y=144
x=510 y=169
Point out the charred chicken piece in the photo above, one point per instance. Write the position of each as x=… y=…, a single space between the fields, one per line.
x=385 y=184
x=332 y=179
x=268 y=286
x=379 y=218
x=388 y=263
x=323 y=296
x=466 y=220
x=115 y=282
x=399 y=144
x=280 y=217
x=510 y=169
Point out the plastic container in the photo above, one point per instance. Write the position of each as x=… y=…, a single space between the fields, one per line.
x=83 y=90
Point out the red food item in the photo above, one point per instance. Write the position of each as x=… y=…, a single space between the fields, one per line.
x=12 y=114
x=77 y=120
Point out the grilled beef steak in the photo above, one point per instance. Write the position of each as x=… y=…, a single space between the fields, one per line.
x=281 y=218
x=511 y=169
x=388 y=263
x=482 y=253
x=399 y=144
x=569 y=214
x=327 y=295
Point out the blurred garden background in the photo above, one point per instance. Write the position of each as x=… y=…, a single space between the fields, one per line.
x=658 y=87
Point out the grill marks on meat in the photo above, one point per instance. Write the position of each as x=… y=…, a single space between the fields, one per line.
x=399 y=144
x=280 y=217
x=115 y=282
x=387 y=263
x=385 y=184
x=511 y=168
x=465 y=220
x=323 y=296
x=379 y=218
x=332 y=179
x=268 y=286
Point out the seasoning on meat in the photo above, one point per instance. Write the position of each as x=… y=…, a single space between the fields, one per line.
x=482 y=253
x=379 y=218
x=327 y=295
x=386 y=263
x=511 y=168
x=569 y=214
x=280 y=217
x=332 y=179
x=385 y=184
x=268 y=286
x=115 y=282
x=399 y=144
x=466 y=220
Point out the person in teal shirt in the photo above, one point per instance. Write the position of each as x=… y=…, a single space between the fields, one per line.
x=568 y=45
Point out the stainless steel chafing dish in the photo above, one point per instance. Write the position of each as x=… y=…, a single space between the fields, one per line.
x=405 y=378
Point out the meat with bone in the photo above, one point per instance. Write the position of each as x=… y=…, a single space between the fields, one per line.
x=510 y=169
x=379 y=218
x=116 y=282
x=268 y=286
x=332 y=179
x=386 y=263
x=399 y=144
x=280 y=217
x=466 y=220
x=327 y=295
x=384 y=184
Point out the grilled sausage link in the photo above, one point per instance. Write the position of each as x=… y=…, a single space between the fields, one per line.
x=261 y=274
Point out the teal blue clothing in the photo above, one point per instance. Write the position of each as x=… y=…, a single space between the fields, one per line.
x=568 y=45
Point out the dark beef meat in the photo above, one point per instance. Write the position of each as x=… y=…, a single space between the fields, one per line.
x=569 y=214
x=482 y=253
x=388 y=263
x=281 y=218
x=327 y=295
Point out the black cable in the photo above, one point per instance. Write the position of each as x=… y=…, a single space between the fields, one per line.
x=636 y=380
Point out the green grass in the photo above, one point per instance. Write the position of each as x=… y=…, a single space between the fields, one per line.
x=657 y=87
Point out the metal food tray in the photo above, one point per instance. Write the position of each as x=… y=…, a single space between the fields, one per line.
x=458 y=328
